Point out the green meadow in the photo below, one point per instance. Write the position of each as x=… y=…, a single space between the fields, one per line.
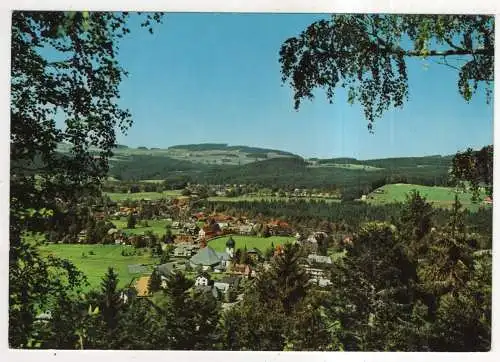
x=439 y=196
x=261 y=243
x=95 y=266
x=156 y=226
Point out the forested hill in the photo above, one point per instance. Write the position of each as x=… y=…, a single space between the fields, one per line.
x=226 y=147
x=220 y=163
x=284 y=172
x=203 y=153
x=393 y=162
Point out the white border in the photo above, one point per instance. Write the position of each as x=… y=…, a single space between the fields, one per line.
x=290 y=6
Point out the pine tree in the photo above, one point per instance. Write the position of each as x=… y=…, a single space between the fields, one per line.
x=154 y=283
x=131 y=221
x=416 y=216
x=206 y=314
x=111 y=299
x=139 y=327
x=286 y=281
x=244 y=256
x=179 y=324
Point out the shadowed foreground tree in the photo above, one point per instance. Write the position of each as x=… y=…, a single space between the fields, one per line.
x=475 y=168
x=290 y=314
x=63 y=67
x=191 y=317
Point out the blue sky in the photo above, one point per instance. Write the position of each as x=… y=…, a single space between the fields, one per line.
x=216 y=78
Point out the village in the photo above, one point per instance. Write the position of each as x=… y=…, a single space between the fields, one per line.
x=220 y=252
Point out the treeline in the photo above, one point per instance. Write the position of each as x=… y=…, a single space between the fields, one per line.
x=348 y=215
x=308 y=211
x=146 y=167
x=394 y=162
x=283 y=172
x=134 y=187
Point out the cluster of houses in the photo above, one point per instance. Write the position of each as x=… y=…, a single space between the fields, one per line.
x=206 y=261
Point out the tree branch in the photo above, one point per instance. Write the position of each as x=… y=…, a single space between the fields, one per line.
x=450 y=43
x=444 y=53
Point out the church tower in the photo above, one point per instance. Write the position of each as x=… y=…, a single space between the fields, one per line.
x=230 y=243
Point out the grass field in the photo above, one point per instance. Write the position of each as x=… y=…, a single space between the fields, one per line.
x=156 y=226
x=351 y=166
x=116 y=196
x=438 y=196
x=95 y=266
x=219 y=244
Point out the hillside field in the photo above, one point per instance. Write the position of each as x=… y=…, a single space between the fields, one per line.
x=156 y=226
x=438 y=196
x=95 y=266
x=350 y=166
x=116 y=196
x=219 y=244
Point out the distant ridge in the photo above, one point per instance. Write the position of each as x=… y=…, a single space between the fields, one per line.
x=435 y=160
x=225 y=147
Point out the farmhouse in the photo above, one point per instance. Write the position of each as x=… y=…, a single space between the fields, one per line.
x=221 y=218
x=243 y=269
x=167 y=269
x=183 y=239
x=191 y=229
x=228 y=282
x=321 y=281
x=223 y=225
x=245 y=229
x=278 y=227
x=319 y=259
x=222 y=286
x=203 y=279
x=316 y=237
x=205 y=233
x=314 y=272
x=185 y=250
x=82 y=236
x=200 y=216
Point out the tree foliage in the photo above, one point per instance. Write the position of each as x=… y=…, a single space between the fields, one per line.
x=367 y=54
x=475 y=168
x=63 y=69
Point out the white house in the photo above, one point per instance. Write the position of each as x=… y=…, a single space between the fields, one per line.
x=222 y=286
x=202 y=280
x=320 y=259
x=245 y=229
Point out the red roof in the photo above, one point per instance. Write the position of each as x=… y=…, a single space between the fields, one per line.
x=279 y=223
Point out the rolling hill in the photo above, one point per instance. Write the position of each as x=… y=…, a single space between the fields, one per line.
x=220 y=163
x=203 y=153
